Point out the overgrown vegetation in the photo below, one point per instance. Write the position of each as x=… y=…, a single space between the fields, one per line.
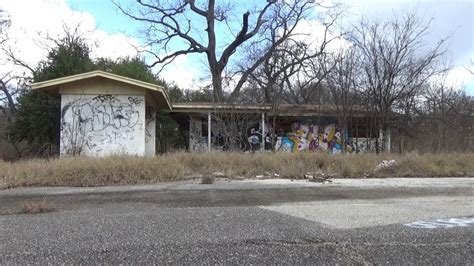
x=35 y=206
x=122 y=170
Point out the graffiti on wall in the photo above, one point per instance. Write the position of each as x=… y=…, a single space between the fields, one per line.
x=150 y=123
x=93 y=122
x=302 y=137
x=362 y=145
x=197 y=142
x=150 y=131
x=255 y=138
x=310 y=137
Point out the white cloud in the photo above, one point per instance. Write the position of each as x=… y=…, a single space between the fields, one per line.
x=182 y=72
x=459 y=77
x=43 y=18
x=113 y=45
x=31 y=21
x=312 y=32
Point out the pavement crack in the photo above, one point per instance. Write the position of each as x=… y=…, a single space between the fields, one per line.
x=396 y=243
x=299 y=242
x=346 y=251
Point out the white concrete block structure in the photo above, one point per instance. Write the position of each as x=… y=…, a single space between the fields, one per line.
x=105 y=114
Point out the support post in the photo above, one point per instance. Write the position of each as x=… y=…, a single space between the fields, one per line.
x=209 y=131
x=262 y=145
x=388 y=140
x=380 y=145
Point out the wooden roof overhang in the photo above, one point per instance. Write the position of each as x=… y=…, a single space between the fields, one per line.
x=156 y=94
x=284 y=110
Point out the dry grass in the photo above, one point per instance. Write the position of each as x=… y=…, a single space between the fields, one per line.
x=120 y=170
x=33 y=207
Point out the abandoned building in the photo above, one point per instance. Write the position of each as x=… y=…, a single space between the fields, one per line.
x=104 y=114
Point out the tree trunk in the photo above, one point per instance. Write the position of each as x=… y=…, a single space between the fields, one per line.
x=273 y=132
x=217 y=86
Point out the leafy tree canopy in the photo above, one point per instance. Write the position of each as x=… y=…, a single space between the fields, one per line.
x=69 y=56
x=131 y=67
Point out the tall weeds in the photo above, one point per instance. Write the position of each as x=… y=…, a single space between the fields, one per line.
x=120 y=170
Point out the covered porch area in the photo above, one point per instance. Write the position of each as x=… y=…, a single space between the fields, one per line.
x=259 y=128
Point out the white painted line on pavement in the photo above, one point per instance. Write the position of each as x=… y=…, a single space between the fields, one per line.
x=442 y=223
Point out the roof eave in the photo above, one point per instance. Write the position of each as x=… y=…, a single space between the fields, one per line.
x=53 y=84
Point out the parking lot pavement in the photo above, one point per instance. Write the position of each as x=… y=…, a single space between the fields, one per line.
x=249 y=184
x=283 y=222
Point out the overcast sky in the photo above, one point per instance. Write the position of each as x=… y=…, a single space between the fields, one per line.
x=453 y=18
x=113 y=34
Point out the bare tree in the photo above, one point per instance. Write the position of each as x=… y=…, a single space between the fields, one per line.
x=229 y=128
x=7 y=91
x=270 y=78
x=446 y=109
x=308 y=86
x=8 y=88
x=275 y=76
x=292 y=62
x=342 y=83
x=396 y=63
x=16 y=81
x=470 y=67
x=7 y=95
x=22 y=81
x=305 y=62
x=174 y=28
x=4 y=25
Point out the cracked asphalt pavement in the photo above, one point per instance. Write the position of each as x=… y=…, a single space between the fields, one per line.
x=243 y=222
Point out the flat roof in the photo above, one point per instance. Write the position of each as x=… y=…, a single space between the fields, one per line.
x=199 y=107
x=283 y=109
x=52 y=86
x=160 y=94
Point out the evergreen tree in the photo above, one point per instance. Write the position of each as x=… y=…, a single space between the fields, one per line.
x=38 y=116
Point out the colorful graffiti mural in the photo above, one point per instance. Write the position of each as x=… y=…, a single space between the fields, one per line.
x=302 y=137
x=310 y=137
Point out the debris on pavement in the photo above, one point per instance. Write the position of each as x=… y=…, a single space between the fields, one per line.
x=320 y=177
x=268 y=175
x=218 y=174
x=386 y=164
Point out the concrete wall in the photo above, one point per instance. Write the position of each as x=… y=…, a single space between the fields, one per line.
x=102 y=124
x=150 y=132
x=197 y=142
